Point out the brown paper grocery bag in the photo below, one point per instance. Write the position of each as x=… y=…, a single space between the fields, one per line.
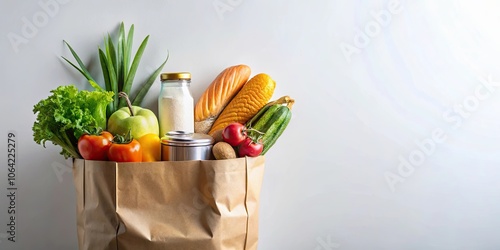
x=168 y=205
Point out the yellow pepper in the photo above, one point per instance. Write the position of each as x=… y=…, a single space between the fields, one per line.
x=151 y=147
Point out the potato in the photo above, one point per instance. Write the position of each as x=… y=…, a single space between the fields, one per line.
x=218 y=136
x=222 y=150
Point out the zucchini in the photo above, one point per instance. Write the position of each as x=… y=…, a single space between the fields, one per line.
x=265 y=121
x=270 y=122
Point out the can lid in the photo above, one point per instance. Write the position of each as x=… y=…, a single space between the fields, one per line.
x=175 y=76
x=185 y=139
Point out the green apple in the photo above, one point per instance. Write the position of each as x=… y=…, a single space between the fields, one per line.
x=139 y=121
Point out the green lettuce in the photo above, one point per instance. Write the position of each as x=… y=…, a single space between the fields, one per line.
x=67 y=114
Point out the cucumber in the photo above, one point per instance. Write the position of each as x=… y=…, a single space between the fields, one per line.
x=281 y=119
x=271 y=121
x=265 y=120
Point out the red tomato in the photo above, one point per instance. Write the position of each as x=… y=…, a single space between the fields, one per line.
x=234 y=134
x=95 y=147
x=250 y=148
x=125 y=152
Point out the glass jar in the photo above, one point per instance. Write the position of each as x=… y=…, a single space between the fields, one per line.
x=175 y=103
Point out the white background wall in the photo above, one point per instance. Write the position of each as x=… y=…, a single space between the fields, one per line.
x=395 y=138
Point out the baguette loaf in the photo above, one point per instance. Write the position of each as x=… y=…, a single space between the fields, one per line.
x=218 y=94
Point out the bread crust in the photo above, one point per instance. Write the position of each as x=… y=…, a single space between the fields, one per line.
x=218 y=94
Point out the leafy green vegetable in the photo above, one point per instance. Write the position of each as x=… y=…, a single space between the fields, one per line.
x=66 y=114
x=118 y=69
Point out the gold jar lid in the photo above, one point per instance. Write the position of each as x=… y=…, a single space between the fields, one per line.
x=175 y=76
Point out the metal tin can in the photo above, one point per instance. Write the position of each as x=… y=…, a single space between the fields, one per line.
x=183 y=146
